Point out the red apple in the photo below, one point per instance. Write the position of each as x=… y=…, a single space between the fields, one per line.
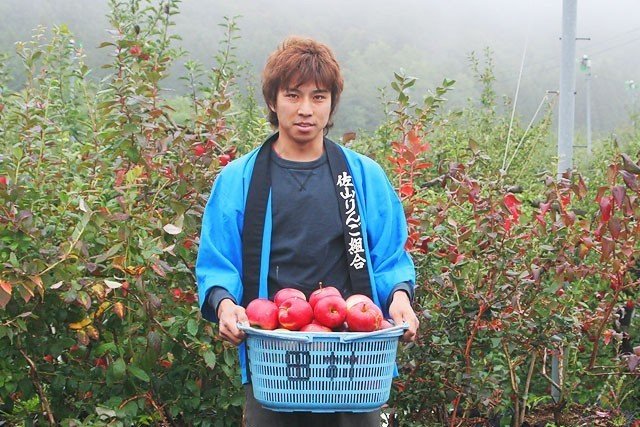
x=321 y=293
x=364 y=317
x=294 y=313
x=385 y=324
x=315 y=327
x=284 y=294
x=356 y=298
x=330 y=311
x=262 y=313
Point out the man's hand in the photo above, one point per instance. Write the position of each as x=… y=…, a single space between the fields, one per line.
x=401 y=311
x=229 y=314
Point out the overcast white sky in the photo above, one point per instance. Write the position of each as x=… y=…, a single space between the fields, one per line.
x=443 y=31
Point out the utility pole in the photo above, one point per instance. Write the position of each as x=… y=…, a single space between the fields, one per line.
x=585 y=65
x=566 y=118
x=566 y=112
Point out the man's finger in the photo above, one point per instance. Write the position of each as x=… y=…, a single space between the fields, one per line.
x=410 y=334
x=231 y=338
x=232 y=327
x=242 y=317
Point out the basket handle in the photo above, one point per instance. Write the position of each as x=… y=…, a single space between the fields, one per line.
x=273 y=334
x=404 y=326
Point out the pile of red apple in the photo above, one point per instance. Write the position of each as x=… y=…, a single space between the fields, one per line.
x=326 y=311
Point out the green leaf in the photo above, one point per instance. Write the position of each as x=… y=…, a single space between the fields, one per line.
x=105 y=411
x=229 y=358
x=118 y=368
x=130 y=128
x=138 y=373
x=192 y=327
x=105 y=347
x=209 y=359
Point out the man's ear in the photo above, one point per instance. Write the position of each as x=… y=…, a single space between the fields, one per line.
x=272 y=107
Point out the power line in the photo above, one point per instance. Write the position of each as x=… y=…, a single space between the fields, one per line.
x=515 y=101
x=607 y=40
x=613 y=47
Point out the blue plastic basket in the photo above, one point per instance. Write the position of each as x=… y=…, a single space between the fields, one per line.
x=322 y=371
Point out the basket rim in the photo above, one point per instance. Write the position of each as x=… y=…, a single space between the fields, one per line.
x=392 y=332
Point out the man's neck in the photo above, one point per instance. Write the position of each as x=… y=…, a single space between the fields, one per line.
x=298 y=152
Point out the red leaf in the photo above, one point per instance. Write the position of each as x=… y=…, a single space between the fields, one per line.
x=407 y=190
x=423 y=165
x=84 y=299
x=93 y=333
x=601 y=192
x=615 y=225
x=540 y=219
x=83 y=338
x=607 y=248
x=599 y=231
x=633 y=362
x=544 y=207
x=159 y=270
x=119 y=309
x=583 y=251
x=569 y=218
x=4 y=299
x=513 y=204
x=607 y=336
x=6 y=286
x=588 y=241
x=507 y=224
x=581 y=188
x=618 y=194
x=413 y=137
x=410 y=156
x=606 y=208
x=630 y=180
x=348 y=136
x=565 y=200
x=473 y=194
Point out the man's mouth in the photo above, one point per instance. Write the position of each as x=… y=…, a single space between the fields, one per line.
x=304 y=124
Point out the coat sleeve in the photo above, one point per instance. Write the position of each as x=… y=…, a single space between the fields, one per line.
x=219 y=260
x=387 y=235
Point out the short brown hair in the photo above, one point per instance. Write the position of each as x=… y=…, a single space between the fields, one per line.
x=297 y=61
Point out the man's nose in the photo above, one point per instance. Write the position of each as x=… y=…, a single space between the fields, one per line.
x=304 y=108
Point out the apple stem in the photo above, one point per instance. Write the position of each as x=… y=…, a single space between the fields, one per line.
x=320 y=285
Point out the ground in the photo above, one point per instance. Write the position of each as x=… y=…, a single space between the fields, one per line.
x=575 y=415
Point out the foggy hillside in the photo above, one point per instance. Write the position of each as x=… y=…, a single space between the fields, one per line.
x=428 y=39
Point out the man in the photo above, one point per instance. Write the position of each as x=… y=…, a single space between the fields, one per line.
x=301 y=210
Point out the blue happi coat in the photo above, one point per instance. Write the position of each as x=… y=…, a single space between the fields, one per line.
x=219 y=260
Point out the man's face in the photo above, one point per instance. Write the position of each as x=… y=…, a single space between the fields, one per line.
x=303 y=112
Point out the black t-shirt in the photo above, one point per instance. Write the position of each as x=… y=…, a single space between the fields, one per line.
x=307 y=238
